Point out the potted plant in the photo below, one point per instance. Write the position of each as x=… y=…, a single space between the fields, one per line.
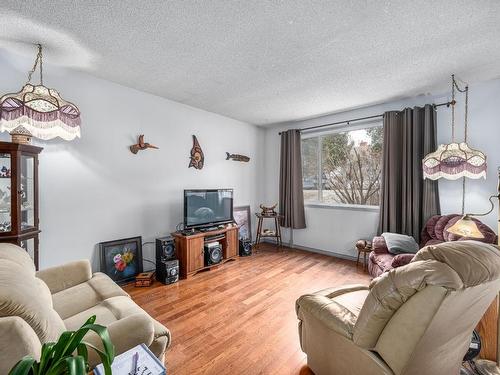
x=60 y=358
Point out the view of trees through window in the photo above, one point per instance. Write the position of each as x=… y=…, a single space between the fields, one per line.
x=343 y=167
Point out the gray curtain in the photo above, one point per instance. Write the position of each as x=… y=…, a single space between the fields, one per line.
x=291 y=196
x=407 y=200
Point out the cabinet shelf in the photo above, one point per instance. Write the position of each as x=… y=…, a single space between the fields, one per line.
x=20 y=196
x=191 y=251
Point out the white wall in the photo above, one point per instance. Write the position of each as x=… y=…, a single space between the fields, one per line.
x=335 y=230
x=94 y=189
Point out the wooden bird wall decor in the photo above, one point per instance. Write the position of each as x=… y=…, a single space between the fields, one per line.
x=197 y=159
x=141 y=145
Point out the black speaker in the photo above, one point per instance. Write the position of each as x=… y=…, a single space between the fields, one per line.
x=213 y=253
x=167 y=271
x=165 y=249
x=245 y=247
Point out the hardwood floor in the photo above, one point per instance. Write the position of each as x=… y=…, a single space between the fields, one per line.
x=240 y=318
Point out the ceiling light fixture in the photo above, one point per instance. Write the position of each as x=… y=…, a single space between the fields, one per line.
x=455 y=160
x=38 y=111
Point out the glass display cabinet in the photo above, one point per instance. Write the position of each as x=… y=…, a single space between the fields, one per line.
x=19 y=196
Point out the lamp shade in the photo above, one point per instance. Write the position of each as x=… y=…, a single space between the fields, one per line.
x=41 y=112
x=466 y=227
x=453 y=161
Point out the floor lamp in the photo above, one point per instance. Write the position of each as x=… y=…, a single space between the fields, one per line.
x=467 y=227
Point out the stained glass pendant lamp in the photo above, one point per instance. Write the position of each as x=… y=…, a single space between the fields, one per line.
x=455 y=160
x=38 y=111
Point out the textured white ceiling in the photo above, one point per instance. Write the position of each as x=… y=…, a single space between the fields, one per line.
x=266 y=61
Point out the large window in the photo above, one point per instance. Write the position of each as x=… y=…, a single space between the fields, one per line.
x=343 y=167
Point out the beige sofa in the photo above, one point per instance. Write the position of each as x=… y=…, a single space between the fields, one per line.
x=413 y=320
x=35 y=307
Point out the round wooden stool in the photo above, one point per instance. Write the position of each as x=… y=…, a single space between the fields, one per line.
x=365 y=247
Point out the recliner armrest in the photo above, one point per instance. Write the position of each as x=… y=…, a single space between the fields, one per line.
x=17 y=339
x=66 y=276
x=339 y=290
x=333 y=315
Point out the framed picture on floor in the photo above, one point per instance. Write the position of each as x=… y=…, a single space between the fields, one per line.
x=242 y=219
x=121 y=259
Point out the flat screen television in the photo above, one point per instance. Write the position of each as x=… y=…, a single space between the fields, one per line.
x=207 y=207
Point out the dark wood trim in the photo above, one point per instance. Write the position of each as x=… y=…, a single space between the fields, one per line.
x=17 y=234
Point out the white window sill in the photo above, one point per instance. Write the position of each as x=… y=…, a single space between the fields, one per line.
x=351 y=207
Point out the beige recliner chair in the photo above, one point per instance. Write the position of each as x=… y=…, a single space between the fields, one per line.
x=36 y=307
x=413 y=320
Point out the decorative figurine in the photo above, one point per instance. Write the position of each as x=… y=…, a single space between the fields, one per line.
x=141 y=145
x=197 y=157
x=268 y=211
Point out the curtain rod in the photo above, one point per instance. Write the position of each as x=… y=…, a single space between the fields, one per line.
x=447 y=104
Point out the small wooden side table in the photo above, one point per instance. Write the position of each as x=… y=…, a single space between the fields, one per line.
x=276 y=234
x=365 y=247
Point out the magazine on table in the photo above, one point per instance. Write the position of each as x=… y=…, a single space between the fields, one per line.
x=136 y=361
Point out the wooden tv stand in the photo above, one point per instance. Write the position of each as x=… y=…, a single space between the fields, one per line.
x=191 y=249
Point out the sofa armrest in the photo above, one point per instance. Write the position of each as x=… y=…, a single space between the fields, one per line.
x=66 y=276
x=330 y=313
x=17 y=339
x=401 y=260
x=125 y=333
x=379 y=246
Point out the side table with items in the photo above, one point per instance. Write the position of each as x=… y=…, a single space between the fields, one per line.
x=365 y=247
x=276 y=234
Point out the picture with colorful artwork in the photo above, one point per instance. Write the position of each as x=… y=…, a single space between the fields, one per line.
x=121 y=259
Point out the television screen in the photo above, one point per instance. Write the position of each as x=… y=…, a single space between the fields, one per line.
x=207 y=207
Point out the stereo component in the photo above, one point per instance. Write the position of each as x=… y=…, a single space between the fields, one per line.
x=245 y=247
x=213 y=253
x=165 y=249
x=167 y=271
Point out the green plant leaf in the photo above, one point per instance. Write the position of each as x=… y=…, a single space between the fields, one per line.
x=23 y=367
x=60 y=347
x=103 y=333
x=106 y=361
x=77 y=337
x=58 y=358
x=76 y=365
x=46 y=356
x=82 y=351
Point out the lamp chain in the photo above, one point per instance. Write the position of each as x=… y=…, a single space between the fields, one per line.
x=38 y=60
x=454 y=85
x=453 y=108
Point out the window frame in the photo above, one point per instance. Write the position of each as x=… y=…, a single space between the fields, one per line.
x=319 y=134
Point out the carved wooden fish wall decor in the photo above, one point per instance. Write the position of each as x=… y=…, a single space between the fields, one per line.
x=237 y=157
x=197 y=157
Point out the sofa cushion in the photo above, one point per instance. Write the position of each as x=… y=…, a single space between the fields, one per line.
x=66 y=276
x=90 y=294
x=389 y=291
x=111 y=310
x=17 y=255
x=23 y=295
x=400 y=243
x=474 y=262
x=401 y=260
